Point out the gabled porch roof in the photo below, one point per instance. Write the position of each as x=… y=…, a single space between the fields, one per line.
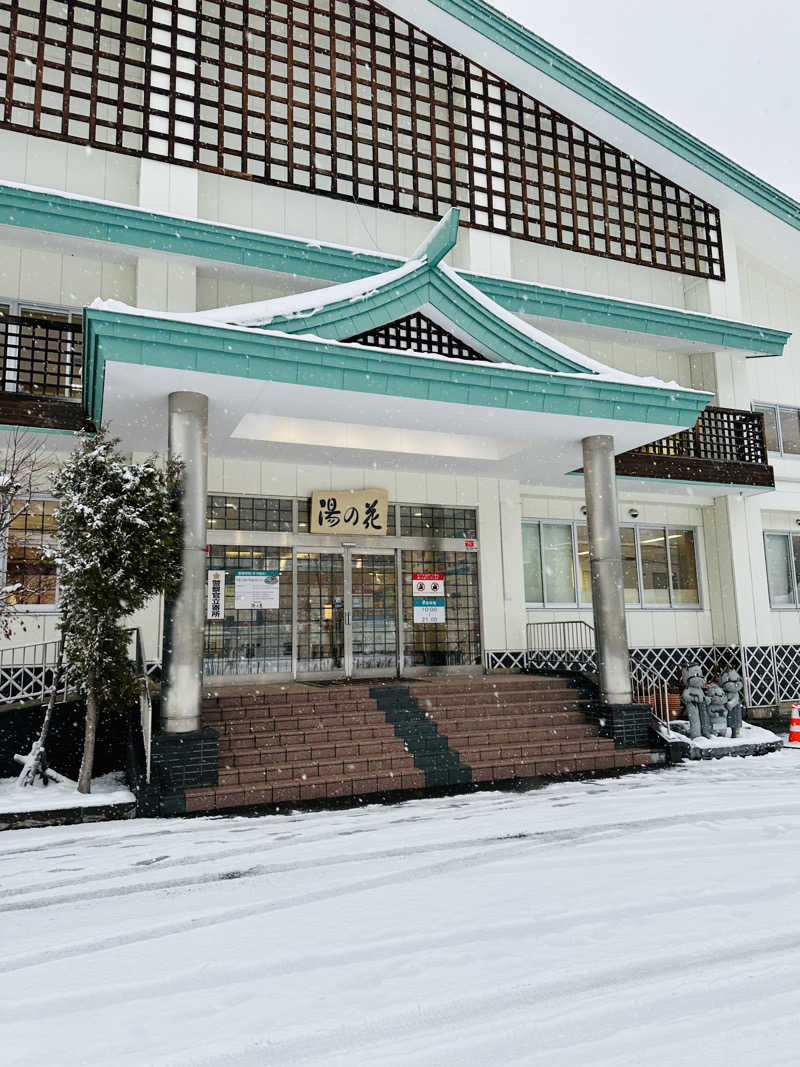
x=290 y=388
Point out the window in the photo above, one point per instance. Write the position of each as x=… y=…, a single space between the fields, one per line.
x=781 y=428
x=249 y=513
x=782 y=551
x=31 y=531
x=659 y=565
x=425 y=520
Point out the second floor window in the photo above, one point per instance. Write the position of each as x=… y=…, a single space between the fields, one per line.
x=781 y=428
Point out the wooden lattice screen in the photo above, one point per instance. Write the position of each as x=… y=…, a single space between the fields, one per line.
x=418 y=332
x=344 y=99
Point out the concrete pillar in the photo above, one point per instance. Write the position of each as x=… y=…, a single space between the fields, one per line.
x=188 y=441
x=605 y=556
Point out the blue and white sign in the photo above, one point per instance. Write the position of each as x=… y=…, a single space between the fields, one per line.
x=427 y=591
x=429 y=609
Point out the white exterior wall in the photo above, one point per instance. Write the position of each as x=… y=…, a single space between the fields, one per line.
x=43 y=269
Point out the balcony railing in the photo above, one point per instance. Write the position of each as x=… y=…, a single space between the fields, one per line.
x=41 y=371
x=725 y=446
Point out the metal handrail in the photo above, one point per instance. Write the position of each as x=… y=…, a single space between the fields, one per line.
x=27 y=673
x=575 y=635
x=652 y=689
x=560 y=636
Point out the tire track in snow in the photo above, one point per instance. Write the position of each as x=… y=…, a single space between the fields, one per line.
x=27 y=899
x=364 y=1039
x=233 y=914
x=220 y=976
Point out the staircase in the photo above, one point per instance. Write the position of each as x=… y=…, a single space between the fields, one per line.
x=522 y=727
x=302 y=744
x=308 y=743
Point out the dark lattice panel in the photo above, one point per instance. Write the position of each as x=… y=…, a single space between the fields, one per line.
x=420 y=334
x=40 y=356
x=720 y=434
x=347 y=100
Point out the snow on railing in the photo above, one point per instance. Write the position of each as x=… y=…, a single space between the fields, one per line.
x=29 y=672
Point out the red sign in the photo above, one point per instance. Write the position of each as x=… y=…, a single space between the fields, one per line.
x=471 y=546
x=428 y=577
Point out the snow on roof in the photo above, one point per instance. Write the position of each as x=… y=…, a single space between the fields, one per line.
x=299 y=305
x=198 y=318
x=525 y=328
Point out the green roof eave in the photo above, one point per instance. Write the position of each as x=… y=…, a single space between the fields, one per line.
x=261 y=356
x=123 y=224
x=549 y=301
x=538 y=53
x=89 y=219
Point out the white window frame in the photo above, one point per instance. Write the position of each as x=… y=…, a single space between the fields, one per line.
x=759 y=405
x=579 y=605
x=795 y=587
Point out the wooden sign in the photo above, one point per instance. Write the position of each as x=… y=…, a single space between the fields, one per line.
x=349 y=511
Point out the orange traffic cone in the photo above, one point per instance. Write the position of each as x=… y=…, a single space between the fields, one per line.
x=794 y=725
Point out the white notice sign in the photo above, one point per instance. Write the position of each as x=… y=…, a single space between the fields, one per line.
x=427 y=591
x=215 y=604
x=256 y=589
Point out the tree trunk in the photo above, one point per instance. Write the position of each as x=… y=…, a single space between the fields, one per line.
x=85 y=775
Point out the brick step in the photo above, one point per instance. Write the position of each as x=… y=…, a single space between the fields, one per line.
x=465 y=724
x=239 y=796
x=287 y=711
x=273 y=695
x=486 y=681
x=240 y=728
x=494 y=711
x=299 y=737
x=565 y=763
x=314 y=751
x=519 y=735
x=306 y=770
x=488 y=698
x=475 y=754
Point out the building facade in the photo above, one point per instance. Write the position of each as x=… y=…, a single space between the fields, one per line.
x=413 y=257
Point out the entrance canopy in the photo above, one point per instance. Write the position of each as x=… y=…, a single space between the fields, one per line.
x=286 y=380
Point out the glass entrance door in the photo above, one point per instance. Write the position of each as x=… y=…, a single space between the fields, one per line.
x=320 y=614
x=346 y=613
x=373 y=614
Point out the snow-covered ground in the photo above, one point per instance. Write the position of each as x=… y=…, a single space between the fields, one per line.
x=108 y=789
x=647 y=920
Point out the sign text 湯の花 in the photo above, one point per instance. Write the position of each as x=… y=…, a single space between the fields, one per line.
x=351 y=511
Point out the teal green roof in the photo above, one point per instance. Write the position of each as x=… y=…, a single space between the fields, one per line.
x=389 y=297
x=423 y=283
x=172 y=342
x=55 y=212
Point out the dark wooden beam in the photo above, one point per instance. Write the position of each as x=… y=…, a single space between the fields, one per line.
x=688 y=469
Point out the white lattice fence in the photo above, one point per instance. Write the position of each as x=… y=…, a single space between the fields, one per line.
x=771 y=673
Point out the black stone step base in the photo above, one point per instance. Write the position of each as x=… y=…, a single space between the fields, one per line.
x=432 y=755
